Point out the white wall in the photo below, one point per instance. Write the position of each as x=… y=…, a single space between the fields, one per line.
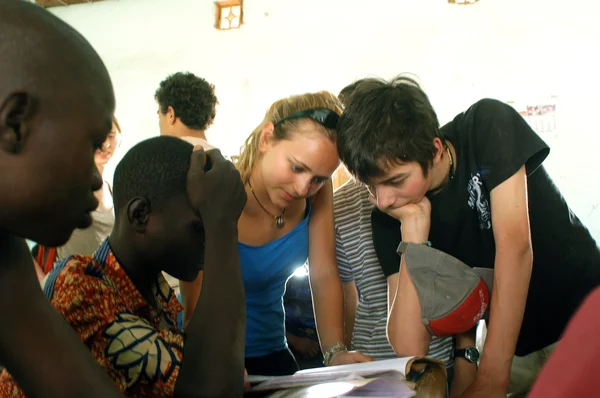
x=508 y=49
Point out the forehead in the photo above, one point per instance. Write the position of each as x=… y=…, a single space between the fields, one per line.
x=90 y=110
x=387 y=170
x=310 y=146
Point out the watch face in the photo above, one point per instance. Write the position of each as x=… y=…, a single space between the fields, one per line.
x=471 y=354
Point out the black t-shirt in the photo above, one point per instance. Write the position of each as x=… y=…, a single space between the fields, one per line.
x=492 y=143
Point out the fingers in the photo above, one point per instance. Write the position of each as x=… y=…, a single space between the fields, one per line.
x=358 y=357
x=198 y=159
x=215 y=156
x=363 y=358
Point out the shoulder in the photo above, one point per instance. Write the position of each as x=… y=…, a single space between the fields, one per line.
x=486 y=105
x=486 y=110
x=351 y=193
x=198 y=141
x=74 y=278
x=349 y=202
x=347 y=190
x=490 y=108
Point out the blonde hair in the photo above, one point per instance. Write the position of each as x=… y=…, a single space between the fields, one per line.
x=116 y=123
x=282 y=108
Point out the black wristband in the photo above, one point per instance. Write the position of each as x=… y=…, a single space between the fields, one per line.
x=386 y=237
x=390 y=267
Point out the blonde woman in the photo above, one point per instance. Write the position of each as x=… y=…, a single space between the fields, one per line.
x=286 y=165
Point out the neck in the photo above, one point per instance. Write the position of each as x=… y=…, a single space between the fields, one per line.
x=440 y=173
x=258 y=186
x=134 y=265
x=100 y=169
x=184 y=131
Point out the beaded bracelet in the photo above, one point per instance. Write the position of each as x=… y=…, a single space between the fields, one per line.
x=333 y=352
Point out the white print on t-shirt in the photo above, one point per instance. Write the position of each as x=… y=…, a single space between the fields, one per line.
x=477 y=200
x=483 y=307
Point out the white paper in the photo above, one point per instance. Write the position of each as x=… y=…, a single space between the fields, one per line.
x=396 y=364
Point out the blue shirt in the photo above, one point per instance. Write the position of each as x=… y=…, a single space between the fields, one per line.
x=265 y=270
x=297 y=301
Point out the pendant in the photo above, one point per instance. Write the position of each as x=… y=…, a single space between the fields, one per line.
x=279 y=221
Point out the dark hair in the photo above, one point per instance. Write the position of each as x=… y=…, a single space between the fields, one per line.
x=155 y=169
x=192 y=98
x=385 y=124
x=361 y=84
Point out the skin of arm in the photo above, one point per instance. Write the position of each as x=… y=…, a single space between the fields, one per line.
x=213 y=363
x=350 y=304
x=39 y=363
x=326 y=286
x=512 y=273
x=465 y=372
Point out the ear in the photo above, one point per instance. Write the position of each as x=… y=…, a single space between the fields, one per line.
x=267 y=136
x=439 y=150
x=138 y=212
x=15 y=113
x=171 y=116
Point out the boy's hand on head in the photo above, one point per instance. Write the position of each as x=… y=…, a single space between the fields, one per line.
x=215 y=188
x=415 y=219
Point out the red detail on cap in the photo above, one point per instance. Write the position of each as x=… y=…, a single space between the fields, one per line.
x=466 y=316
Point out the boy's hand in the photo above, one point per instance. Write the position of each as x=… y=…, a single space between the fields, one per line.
x=415 y=218
x=215 y=189
x=305 y=346
x=349 y=357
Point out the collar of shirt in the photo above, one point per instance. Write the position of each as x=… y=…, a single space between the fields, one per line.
x=108 y=268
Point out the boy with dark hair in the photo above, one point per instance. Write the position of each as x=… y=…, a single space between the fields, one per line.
x=56 y=108
x=186 y=107
x=476 y=190
x=120 y=304
x=366 y=317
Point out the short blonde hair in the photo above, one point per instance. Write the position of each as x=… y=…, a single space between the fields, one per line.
x=116 y=123
x=277 y=111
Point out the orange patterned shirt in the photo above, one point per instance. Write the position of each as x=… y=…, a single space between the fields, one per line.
x=136 y=342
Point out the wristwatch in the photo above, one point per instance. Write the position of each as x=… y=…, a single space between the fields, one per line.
x=471 y=354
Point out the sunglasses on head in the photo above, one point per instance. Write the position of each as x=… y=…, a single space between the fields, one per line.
x=323 y=116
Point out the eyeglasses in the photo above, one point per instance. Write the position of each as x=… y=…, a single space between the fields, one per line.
x=323 y=116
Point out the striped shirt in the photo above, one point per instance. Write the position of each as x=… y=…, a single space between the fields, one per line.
x=357 y=262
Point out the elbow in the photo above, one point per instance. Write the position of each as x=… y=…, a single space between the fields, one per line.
x=325 y=282
x=405 y=346
x=527 y=254
x=519 y=253
x=527 y=258
x=524 y=250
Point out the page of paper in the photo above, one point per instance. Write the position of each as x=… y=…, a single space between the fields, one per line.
x=395 y=364
x=300 y=380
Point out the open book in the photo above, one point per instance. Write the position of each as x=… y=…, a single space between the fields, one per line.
x=399 y=377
